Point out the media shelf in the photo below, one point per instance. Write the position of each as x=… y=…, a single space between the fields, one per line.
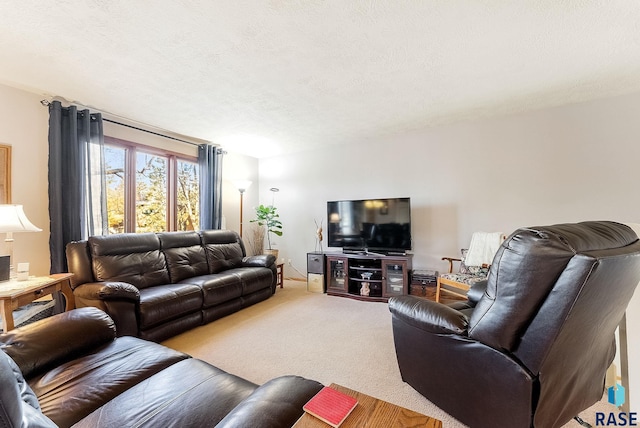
x=385 y=275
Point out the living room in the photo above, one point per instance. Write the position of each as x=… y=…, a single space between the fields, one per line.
x=494 y=167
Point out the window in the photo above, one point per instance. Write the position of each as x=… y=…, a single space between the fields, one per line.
x=150 y=190
x=188 y=195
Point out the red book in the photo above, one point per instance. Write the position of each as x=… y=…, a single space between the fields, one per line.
x=330 y=406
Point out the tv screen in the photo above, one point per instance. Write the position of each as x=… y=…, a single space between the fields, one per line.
x=370 y=224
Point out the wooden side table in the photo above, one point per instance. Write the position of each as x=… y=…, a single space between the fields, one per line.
x=14 y=294
x=372 y=412
x=280 y=275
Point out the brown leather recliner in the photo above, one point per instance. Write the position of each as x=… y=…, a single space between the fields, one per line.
x=71 y=370
x=533 y=348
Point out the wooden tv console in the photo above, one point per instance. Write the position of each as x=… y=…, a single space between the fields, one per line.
x=387 y=275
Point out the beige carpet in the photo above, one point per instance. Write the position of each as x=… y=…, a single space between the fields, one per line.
x=326 y=338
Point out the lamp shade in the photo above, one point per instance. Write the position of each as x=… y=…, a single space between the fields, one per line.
x=242 y=185
x=13 y=219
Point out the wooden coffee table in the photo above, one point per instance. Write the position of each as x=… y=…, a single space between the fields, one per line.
x=14 y=294
x=372 y=412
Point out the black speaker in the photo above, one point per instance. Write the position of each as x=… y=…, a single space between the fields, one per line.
x=315 y=263
x=4 y=268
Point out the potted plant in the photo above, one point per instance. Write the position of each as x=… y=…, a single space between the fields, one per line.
x=267 y=216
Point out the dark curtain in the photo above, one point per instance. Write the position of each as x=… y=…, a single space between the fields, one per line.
x=210 y=163
x=77 y=203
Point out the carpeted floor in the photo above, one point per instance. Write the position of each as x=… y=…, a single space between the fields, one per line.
x=326 y=338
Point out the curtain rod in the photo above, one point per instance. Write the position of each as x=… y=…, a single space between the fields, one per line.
x=46 y=103
x=149 y=132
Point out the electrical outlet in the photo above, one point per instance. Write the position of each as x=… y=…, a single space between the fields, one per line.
x=289 y=262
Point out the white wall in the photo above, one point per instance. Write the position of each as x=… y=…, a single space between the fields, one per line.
x=24 y=126
x=238 y=167
x=557 y=165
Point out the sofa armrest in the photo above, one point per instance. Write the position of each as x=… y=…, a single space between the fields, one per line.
x=261 y=260
x=57 y=339
x=107 y=291
x=119 y=300
x=277 y=403
x=429 y=316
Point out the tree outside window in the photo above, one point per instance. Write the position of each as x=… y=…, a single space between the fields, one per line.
x=188 y=196
x=151 y=193
x=149 y=190
x=114 y=158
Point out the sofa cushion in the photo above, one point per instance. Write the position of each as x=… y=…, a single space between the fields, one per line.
x=19 y=406
x=190 y=393
x=184 y=254
x=71 y=391
x=129 y=257
x=224 y=249
x=253 y=279
x=217 y=288
x=463 y=278
x=168 y=301
x=223 y=256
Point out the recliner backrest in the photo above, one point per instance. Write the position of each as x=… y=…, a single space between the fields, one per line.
x=555 y=296
x=536 y=263
x=184 y=254
x=224 y=249
x=134 y=258
x=19 y=406
x=572 y=356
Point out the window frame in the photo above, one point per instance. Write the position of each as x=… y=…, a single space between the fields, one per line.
x=131 y=149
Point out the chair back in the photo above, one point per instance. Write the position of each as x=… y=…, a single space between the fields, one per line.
x=555 y=296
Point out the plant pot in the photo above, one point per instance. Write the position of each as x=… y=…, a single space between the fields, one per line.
x=274 y=252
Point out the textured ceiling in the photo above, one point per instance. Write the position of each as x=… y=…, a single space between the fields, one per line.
x=301 y=74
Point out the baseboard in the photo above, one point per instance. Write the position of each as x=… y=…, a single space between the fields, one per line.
x=297 y=279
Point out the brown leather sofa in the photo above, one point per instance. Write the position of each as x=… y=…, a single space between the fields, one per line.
x=156 y=285
x=71 y=370
x=530 y=348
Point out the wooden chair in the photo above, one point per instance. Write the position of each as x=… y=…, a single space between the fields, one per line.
x=459 y=283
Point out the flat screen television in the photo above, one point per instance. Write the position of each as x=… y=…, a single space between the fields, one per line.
x=381 y=225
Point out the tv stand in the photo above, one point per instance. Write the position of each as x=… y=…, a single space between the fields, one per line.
x=364 y=251
x=396 y=253
x=385 y=275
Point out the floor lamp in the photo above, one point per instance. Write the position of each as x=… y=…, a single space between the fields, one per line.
x=242 y=186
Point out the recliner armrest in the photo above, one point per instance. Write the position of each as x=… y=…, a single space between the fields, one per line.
x=261 y=260
x=108 y=290
x=429 y=316
x=57 y=339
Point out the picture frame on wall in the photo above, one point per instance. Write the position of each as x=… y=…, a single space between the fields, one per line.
x=5 y=174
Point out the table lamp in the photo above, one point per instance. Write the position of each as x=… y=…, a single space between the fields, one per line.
x=13 y=219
